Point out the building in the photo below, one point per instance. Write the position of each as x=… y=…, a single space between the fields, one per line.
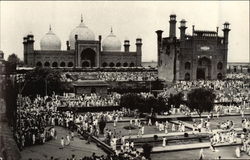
x=238 y=67
x=83 y=50
x=2 y=64
x=202 y=55
x=87 y=87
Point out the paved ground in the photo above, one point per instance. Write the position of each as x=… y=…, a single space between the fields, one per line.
x=214 y=122
x=224 y=152
x=148 y=129
x=81 y=149
x=77 y=147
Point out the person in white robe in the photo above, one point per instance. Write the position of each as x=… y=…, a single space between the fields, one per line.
x=149 y=122
x=183 y=128
x=201 y=155
x=142 y=130
x=173 y=127
x=62 y=142
x=166 y=129
x=237 y=152
x=164 y=141
x=68 y=139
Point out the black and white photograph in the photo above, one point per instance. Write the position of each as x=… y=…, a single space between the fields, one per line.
x=124 y=80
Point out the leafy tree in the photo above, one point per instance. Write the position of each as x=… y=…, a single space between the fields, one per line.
x=43 y=81
x=161 y=105
x=13 y=59
x=132 y=101
x=151 y=104
x=102 y=124
x=144 y=105
x=201 y=100
x=176 y=100
x=147 y=149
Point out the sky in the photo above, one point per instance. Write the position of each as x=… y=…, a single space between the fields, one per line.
x=129 y=20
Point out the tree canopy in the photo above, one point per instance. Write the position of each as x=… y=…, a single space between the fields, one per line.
x=43 y=81
x=201 y=100
x=13 y=59
x=176 y=100
x=145 y=105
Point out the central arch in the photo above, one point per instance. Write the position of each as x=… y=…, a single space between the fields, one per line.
x=203 y=69
x=88 y=55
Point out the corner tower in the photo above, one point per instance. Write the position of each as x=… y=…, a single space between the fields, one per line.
x=172 y=26
x=28 y=44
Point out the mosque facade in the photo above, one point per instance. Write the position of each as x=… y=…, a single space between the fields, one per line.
x=202 y=55
x=83 y=50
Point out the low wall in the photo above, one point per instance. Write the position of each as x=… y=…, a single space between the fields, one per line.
x=89 y=109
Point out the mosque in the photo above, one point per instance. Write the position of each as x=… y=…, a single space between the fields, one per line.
x=83 y=50
x=202 y=55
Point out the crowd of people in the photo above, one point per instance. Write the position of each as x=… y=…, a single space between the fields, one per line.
x=34 y=124
x=91 y=100
x=226 y=91
x=239 y=76
x=111 y=76
x=37 y=118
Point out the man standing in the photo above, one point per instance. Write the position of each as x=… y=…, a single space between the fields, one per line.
x=62 y=142
x=201 y=157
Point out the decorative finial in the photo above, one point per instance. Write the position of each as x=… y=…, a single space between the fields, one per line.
x=111 y=30
x=50 y=27
x=81 y=18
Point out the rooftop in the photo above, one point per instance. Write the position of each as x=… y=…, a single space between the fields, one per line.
x=87 y=83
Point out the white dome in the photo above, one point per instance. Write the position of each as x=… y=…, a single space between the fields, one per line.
x=83 y=33
x=111 y=43
x=50 y=41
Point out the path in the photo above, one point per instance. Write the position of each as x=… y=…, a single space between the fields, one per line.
x=78 y=147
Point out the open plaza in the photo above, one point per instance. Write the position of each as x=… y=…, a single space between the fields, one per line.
x=57 y=127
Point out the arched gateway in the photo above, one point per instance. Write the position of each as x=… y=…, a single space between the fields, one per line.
x=203 y=69
x=88 y=58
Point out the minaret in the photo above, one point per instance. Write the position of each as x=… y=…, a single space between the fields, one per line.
x=25 y=53
x=76 y=64
x=159 y=41
x=126 y=45
x=225 y=35
x=182 y=29
x=172 y=28
x=226 y=32
x=138 y=51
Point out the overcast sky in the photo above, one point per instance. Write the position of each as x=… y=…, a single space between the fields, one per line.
x=128 y=19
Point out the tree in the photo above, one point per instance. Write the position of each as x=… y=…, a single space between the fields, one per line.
x=132 y=101
x=147 y=149
x=43 y=81
x=201 y=100
x=162 y=105
x=102 y=124
x=176 y=100
x=144 y=105
x=13 y=59
x=151 y=105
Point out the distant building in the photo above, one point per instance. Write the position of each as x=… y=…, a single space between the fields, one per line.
x=238 y=67
x=2 y=64
x=202 y=55
x=88 y=87
x=83 y=50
